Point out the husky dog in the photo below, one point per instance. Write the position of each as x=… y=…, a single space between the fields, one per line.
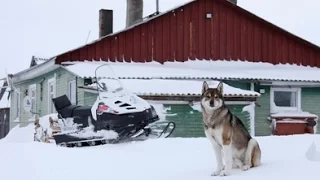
x=229 y=137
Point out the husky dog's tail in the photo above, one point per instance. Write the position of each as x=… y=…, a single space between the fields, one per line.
x=253 y=153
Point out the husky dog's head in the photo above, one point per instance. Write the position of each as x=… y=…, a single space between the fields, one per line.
x=212 y=98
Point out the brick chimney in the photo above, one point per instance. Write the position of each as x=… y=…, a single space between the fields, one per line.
x=134 y=12
x=105 y=22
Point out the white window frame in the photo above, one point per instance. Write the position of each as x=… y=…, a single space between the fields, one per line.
x=277 y=109
x=33 y=87
x=17 y=105
x=51 y=80
x=73 y=101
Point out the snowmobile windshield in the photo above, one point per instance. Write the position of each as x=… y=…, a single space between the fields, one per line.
x=107 y=82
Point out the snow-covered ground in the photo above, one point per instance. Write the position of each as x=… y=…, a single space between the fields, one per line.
x=165 y=159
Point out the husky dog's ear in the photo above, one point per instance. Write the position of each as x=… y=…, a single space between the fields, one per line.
x=220 y=87
x=205 y=86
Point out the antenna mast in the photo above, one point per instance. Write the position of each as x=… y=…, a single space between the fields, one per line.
x=157 y=6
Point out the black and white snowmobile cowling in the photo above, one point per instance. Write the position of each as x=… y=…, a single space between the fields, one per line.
x=116 y=116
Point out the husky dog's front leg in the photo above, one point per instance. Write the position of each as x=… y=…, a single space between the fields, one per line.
x=218 y=153
x=219 y=162
x=227 y=154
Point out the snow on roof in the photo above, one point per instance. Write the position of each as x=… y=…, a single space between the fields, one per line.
x=175 y=87
x=293 y=114
x=35 y=61
x=198 y=69
x=40 y=60
x=133 y=70
x=252 y=70
x=5 y=99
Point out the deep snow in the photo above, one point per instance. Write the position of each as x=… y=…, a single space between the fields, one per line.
x=174 y=158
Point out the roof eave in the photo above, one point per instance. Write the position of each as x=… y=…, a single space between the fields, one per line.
x=35 y=71
x=178 y=97
x=218 y=79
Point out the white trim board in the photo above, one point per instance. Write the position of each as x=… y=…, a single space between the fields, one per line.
x=30 y=88
x=75 y=91
x=17 y=105
x=51 y=80
x=293 y=84
x=35 y=71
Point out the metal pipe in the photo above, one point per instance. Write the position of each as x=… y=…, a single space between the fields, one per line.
x=157 y=6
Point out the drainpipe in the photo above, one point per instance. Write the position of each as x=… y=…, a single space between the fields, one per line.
x=253 y=114
x=76 y=90
x=157 y=7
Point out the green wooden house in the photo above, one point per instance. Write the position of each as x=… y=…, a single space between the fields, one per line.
x=270 y=82
x=41 y=82
x=173 y=90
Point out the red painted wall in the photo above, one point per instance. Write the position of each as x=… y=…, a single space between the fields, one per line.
x=232 y=33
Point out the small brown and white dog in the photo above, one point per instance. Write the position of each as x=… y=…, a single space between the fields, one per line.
x=230 y=139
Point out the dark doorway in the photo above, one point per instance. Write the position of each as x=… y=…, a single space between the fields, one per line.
x=4 y=122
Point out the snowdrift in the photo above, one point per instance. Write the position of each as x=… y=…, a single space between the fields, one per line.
x=293 y=157
x=25 y=134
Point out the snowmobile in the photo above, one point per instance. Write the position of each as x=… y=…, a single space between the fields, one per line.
x=117 y=116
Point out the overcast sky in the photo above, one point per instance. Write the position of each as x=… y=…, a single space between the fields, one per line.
x=46 y=28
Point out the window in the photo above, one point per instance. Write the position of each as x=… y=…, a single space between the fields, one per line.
x=33 y=98
x=51 y=94
x=17 y=104
x=285 y=99
x=72 y=92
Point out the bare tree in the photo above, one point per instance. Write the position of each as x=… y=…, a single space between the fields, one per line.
x=134 y=12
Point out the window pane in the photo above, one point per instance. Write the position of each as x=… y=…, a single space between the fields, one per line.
x=285 y=99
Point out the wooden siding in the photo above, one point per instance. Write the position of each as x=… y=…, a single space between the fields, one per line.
x=310 y=98
x=185 y=33
x=62 y=79
x=89 y=98
x=262 y=124
x=189 y=121
x=309 y=103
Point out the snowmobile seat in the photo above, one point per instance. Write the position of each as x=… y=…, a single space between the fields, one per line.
x=64 y=106
x=82 y=111
x=68 y=111
x=61 y=102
